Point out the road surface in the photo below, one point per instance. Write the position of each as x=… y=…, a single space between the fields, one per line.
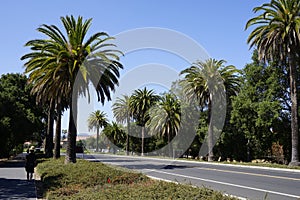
x=13 y=183
x=244 y=182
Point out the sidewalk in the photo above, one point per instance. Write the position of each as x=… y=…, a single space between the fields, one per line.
x=13 y=182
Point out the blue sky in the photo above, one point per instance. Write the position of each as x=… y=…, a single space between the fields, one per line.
x=216 y=25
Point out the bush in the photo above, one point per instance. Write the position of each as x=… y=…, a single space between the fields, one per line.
x=91 y=180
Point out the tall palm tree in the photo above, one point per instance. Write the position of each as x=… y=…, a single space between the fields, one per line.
x=122 y=112
x=204 y=81
x=165 y=118
x=97 y=120
x=140 y=102
x=277 y=37
x=68 y=62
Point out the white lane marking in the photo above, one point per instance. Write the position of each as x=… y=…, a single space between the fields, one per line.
x=248 y=173
x=230 y=184
x=166 y=180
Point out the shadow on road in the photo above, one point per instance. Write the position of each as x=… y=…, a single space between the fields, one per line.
x=176 y=167
x=16 y=189
x=12 y=164
x=115 y=161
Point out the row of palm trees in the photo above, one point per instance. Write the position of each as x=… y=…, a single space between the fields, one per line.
x=56 y=63
x=162 y=114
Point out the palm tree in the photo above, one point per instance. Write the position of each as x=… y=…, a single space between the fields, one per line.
x=69 y=62
x=165 y=118
x=140 y=102
x=115 y=133
x=277 y=37
x=205 y=81
x=122 y=112
x=97 y=120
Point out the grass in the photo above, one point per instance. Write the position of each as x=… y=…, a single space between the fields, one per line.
x=92 y=180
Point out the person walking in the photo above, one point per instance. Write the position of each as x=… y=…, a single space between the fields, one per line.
x=30 y=163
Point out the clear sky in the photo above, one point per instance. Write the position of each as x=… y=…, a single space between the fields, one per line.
x=217 y=25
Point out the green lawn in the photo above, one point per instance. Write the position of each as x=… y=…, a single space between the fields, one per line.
x=94 y=180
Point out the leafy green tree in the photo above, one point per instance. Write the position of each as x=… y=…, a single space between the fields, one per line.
x=277 y=37
x=66 y=59
x=20 y=119
x=91 y=143
x=141 y=101
x=116 y=134
x=165 y=118
x=97 y=120
x=205 y=80
x=260 y=110
x=123 y=114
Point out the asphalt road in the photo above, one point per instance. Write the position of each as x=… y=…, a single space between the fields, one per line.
x=244 y=182
x=13 y=183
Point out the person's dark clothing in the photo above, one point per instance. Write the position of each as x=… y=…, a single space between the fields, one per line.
x=30 y=162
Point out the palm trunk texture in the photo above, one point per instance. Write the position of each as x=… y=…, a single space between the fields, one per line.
x=294 y=115
x=72 y=134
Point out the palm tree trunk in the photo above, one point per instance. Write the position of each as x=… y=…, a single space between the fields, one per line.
x=72 y=133
x=49 y=135
x=210 y=134
x=57 y=133
x=294 y=113
x=97 y=140
x=170 y=146
x=143 y=136
x=127 y=136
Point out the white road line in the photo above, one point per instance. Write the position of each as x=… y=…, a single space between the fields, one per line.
x=166 y=180
x=230 y=184
x=249 y=173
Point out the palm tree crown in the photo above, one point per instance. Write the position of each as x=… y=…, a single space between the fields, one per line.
x=165 y=118
x=206 y=81
x=123 y=113
x=277 y=30
x=97 y=119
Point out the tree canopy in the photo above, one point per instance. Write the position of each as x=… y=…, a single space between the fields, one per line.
x=20 y=118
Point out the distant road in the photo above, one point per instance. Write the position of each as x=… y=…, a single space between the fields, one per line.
x=251 y=183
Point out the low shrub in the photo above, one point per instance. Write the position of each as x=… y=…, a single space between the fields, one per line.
x=91 y=180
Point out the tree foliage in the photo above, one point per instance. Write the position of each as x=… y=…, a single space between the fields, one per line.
x=257 y=109
x=20 y=119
